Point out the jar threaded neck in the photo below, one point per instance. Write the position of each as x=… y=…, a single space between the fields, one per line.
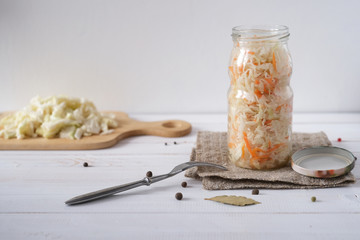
x=260 y=32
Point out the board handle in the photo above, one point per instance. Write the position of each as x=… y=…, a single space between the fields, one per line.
x=168 y=128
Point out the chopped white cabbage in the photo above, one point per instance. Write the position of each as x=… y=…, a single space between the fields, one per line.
x=57 y=116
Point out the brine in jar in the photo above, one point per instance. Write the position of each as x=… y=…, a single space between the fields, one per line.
x=260 y=98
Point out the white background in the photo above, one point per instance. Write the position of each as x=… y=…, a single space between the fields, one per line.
x=170 y=56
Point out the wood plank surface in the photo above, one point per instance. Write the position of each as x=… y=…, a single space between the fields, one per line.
x=35 y=184
x=165 y=226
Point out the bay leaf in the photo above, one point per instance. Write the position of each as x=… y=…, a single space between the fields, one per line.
x=233 y=200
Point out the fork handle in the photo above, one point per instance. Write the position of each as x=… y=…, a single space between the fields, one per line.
x=107 y=191
x=113 y=190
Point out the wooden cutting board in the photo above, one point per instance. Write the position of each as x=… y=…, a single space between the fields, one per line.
x=127 y=127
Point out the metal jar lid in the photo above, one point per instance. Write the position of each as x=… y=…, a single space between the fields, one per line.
x=323 y=162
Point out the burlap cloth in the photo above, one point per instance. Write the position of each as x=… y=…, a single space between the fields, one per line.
x=212 y=147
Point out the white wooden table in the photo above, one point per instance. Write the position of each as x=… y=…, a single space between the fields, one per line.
x=35 y=184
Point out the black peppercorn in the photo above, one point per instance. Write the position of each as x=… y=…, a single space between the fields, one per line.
x=178 y=196
x=175 y=143
x=255 y=191
x=149 y=174
x=165 y=144
x=85 y=164
x=184 y=184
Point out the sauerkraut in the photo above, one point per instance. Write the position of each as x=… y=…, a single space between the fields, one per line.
x=57 y=116
x=260 y=104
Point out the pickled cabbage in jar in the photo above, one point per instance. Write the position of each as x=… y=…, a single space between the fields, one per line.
x=260 y=99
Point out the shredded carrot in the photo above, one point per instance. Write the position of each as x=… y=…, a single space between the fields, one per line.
x=268 y=122
x=254 y=152
x=259 y=150
x=269 y=81
x=258 y=93
x=278 y=108
x=241 y=69
x=238 y=44
x=249 y=116
x=260 y=158
x=248 y=145
x=235 y=59
x=243 y=151
x=274 y=61
x=265 y=158
x=269 y=150
x=287 y=137
x=276 y=146
x=252 y=53
x=231 y=145
x=257 y=81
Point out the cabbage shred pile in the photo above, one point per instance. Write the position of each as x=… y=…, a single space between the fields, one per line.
x=57 y=116
x=260 y=104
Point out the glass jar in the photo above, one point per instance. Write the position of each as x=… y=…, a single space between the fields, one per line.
x=260 y=98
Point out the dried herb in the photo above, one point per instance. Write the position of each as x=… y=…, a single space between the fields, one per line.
x=313 y=199
x=233 y=200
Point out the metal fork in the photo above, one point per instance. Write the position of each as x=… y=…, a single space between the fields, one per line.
x=145 y=181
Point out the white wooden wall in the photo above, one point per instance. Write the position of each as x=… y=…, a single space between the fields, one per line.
x=170 y=56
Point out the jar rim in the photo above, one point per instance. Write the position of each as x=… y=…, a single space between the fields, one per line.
x=260 y=32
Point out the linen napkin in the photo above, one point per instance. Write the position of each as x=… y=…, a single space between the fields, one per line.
x=212 y=147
